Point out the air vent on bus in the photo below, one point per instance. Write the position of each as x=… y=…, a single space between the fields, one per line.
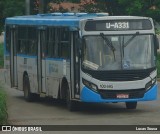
x=102 y=14
x=73 y=14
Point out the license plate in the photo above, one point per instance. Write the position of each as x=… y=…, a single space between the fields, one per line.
x=122 y=96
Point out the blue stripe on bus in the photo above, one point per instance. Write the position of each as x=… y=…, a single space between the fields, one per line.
x=53 y=59
x=57 y=59
x=47 y=22
x=88 y=95
x=50 y=20
x=26 y=56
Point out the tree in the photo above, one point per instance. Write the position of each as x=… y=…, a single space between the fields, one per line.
x=10 y=8
x=150 y=8
x=13 y=8
x=93 y=6
x=1 y=16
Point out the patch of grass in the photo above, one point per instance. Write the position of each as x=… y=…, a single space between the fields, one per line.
x=1 y=55
x=3 y=107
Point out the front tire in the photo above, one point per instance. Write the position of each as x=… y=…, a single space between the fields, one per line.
x=26 y=88
x=131 y=105
x=71 y=105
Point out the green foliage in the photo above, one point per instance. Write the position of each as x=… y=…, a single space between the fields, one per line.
x=10 y=8
x=57 y=1
x=157 y=31
x=98 y=6
x=13 y=8
x=3 y=108
x=150 y=8
x=75 y=1
x=1 y=56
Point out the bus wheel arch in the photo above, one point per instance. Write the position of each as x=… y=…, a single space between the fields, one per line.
x=26 y=88
x=66 y=94
x=64 y=88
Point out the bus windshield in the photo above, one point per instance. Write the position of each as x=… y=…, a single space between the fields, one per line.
x=131 y=52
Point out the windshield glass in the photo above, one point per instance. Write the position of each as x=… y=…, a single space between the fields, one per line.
x=131 y=52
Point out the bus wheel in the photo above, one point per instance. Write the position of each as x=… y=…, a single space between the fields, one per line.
x=71 y=105
x=26 y=88
x=131 y=105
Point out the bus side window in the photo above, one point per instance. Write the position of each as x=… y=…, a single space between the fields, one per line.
x=8 y=36
x=50 y=50
x=32 y=47
x=32 y=41
x=22 y=47
x=64 y=43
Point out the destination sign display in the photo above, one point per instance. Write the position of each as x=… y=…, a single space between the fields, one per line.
x=117 y=25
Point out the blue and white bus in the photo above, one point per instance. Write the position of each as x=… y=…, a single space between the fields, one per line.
x=82 y=57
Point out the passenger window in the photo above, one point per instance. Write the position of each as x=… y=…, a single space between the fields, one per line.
x=50 y=42
x=22 y=40
x=8 y=38
x=64 y=43
x=27 y=40
x=32 y=41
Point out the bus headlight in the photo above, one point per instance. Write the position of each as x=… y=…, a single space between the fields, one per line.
x=150 y=84
x=90 y=85
x=154 y=80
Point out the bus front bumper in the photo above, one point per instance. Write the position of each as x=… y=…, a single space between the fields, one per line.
x=88 y=95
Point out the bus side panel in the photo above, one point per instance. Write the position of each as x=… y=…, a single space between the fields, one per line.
x=55 y=71
x=28 y=65
x=7 y=69
x=20 y=71
x=68 y=75
x=32 y=72
x=7 y=57
x=53 y=75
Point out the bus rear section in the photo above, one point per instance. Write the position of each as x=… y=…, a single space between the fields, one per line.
x=82 y=58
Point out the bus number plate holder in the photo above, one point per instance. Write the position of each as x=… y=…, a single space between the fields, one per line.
x=122 y=96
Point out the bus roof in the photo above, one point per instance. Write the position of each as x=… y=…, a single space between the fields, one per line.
x=53 y=19
x=60 y=19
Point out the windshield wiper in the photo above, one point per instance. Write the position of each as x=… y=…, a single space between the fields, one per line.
x=127 y=43
x=108 y=42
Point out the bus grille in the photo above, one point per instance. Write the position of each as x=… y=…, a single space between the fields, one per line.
x=134 y=93
x=122 y=76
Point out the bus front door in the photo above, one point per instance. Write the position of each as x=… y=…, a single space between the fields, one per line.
x=13 y=58
x=41 y=70
x=75 y=65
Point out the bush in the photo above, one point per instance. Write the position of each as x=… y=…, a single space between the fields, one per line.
x=3 y=108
